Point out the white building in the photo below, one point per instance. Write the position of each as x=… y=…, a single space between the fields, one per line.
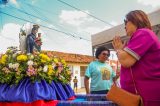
x=77 y=63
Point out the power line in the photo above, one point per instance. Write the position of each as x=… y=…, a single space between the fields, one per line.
x=38 y=7
x=27 y=13
x=28 y=16
x=60 y=25
x=85 y=12
x=69 y=34
x=47 y=21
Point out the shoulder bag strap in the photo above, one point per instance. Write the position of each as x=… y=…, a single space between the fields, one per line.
x=133 y=81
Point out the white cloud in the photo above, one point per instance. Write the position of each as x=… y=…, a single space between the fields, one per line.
x=56 y=41
x=153 y=3
x=75 y=18
x=14 y=2
x=93 y=29
x=38 y=21
x=9 y=36
x=113 y=23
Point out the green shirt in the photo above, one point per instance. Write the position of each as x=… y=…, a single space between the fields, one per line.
x=101 y=75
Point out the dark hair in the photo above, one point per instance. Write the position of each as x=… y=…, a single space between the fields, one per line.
x=34 y=28
x=101 y=49
x=139 y=18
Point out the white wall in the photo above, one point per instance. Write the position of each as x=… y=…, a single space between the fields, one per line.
x=76 y=72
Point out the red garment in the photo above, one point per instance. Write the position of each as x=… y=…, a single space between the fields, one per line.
x=38 y=41
x=72 y=98
x=35 y=103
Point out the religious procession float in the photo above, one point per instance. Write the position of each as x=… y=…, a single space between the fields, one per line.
x=39 y=79
x=33 y=79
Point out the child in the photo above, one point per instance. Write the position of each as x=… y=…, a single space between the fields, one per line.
x=75 y=83
x=38 y=42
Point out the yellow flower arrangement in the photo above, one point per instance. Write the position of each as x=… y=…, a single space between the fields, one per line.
x=22 y=58
x=16 y=66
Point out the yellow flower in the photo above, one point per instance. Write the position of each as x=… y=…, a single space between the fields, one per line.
x=44 y=58
x=55 y=60
x=22 y=58
x=43 y=61
x=50 y=70
x=63 y=62
x=3 y=59
x=68 y=72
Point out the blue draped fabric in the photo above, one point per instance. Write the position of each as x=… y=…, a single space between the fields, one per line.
x=93 y=97
x=26 y=91
x=68 y=90
x=86 y=103
x=88 y=100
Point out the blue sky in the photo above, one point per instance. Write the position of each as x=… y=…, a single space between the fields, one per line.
x=78 y=25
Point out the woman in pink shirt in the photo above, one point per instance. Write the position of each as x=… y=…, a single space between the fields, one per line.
x=141 y=55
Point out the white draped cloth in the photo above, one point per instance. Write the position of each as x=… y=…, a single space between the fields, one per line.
x=22 y=41
x=22 y=38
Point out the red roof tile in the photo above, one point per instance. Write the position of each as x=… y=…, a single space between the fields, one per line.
x=71 y=58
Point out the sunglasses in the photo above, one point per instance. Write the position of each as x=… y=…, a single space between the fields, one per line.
x=125 y=21
x=106 y=54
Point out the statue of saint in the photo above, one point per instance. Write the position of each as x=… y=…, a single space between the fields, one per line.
x=27 y=39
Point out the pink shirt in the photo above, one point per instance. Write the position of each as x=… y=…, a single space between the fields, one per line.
x=145 y=47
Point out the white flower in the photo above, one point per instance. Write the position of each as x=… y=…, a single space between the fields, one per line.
x=10 y=65
x=45 y=69
x=14 y=55
x=30 y=62
x=16 y=65
x=53 y=65
x=31 y=57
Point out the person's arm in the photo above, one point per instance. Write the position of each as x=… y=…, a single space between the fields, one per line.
x=116 y=77
x=125 y=58
x=86 y=84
